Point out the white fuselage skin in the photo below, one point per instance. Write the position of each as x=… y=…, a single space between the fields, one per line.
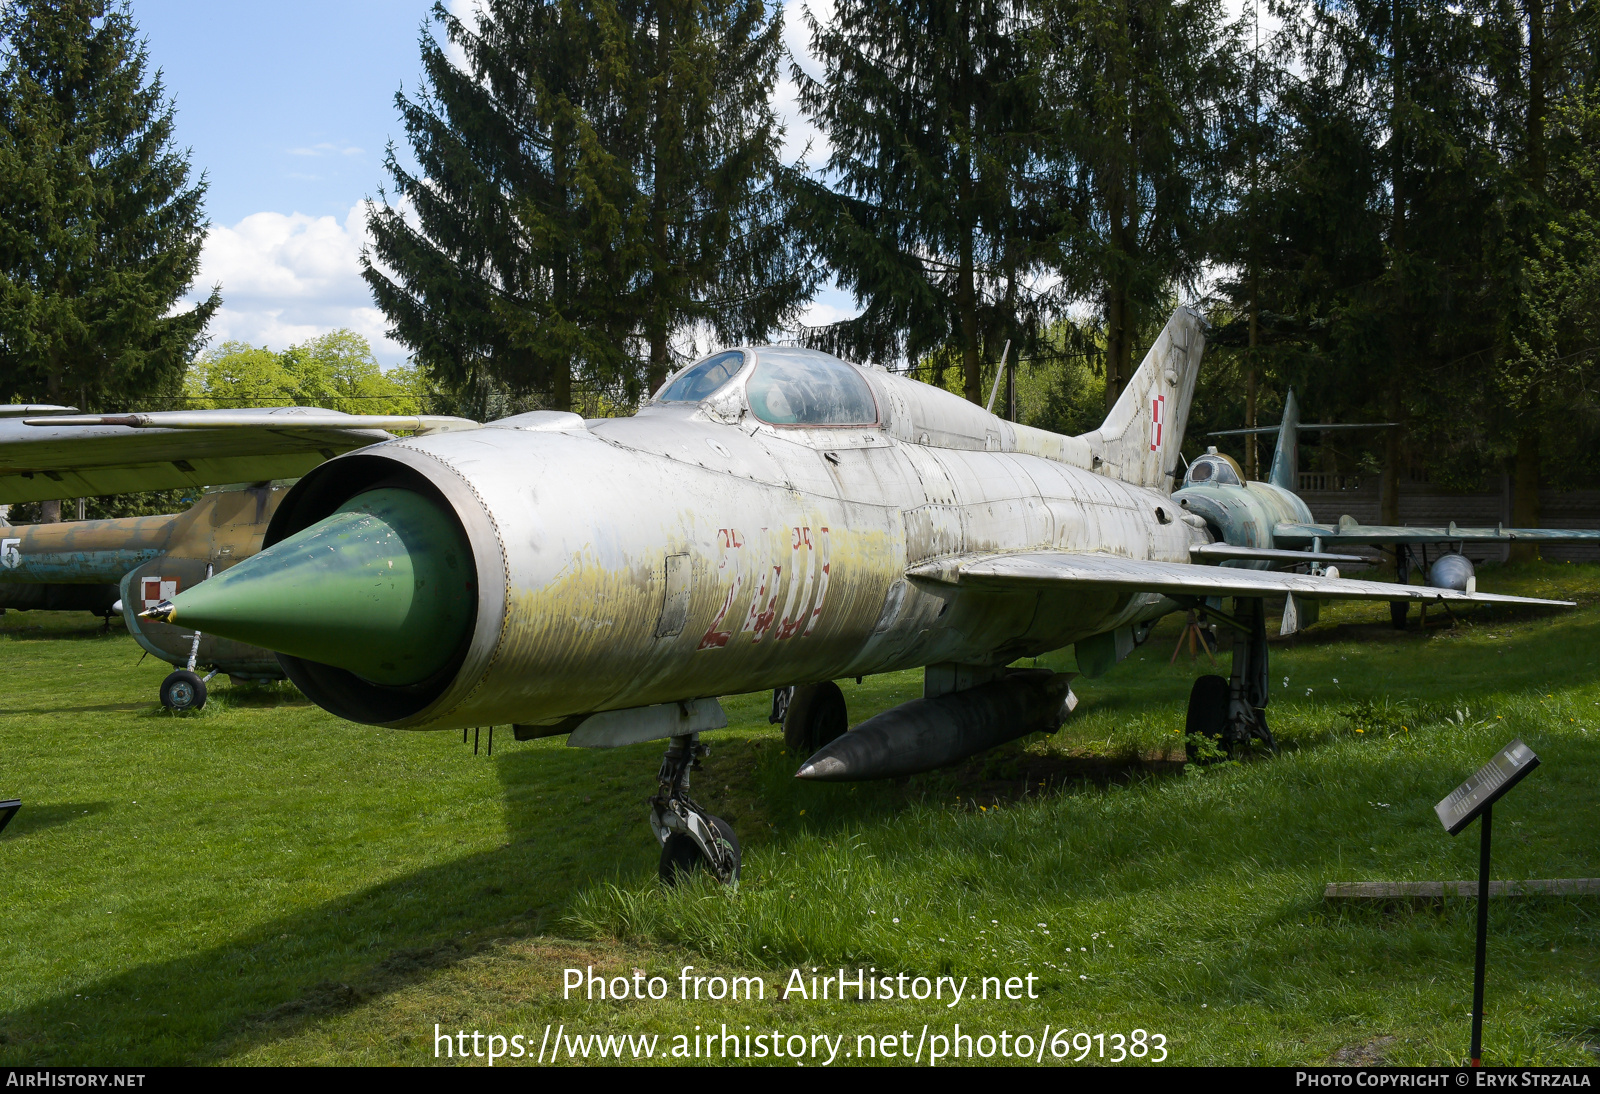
x=693 y=551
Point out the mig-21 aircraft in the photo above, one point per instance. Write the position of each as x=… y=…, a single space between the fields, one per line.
x=129 y=564
x=773 y=517
x=1271 y=515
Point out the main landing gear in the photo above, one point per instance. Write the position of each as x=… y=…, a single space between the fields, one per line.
x=1231 y=711
x=691 y=839
x=815 y=715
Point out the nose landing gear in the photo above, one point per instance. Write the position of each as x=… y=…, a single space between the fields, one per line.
x=691 y=838
x=184 y=689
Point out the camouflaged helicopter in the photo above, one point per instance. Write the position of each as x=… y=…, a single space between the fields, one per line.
x=129 y=564
x=773 y=517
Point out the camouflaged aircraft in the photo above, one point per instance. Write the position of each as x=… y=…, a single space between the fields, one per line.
x=1266 y=515
x=773 y=517
x=126 y=565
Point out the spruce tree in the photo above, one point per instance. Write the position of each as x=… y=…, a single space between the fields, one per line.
x=718 y=244
x=928 y=214
x=1134 y=90
x=100 y=224
x=515 y=272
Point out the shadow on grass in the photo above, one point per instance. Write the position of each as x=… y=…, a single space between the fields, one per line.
x=78 y=708
x=37 y=818
x=272 y=979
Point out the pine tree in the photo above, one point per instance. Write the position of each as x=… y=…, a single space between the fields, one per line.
x=100 y=225
x=1134 y=90
x=719 y=246
x=516 y=270
x=931 y=219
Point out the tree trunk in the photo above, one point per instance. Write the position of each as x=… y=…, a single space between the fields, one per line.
x=1525 y=492
x=1390 y=487
x=1116 y=340
x=1252 y=465
x=659 y=362
x=657 y=307
x=50 y=511
x=967 y=305
x=1538 y=66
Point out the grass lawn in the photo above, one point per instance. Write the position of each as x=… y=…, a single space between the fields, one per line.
x=263 y=883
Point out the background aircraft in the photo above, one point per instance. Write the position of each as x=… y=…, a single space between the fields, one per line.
x=773 y=517
x=131 y=563
x=1271 y=514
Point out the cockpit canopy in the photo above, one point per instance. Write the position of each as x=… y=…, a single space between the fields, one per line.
x=1213 y=469
x=702 y=379
x=789 y=386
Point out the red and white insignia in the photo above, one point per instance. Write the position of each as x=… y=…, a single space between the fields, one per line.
x=1158 y=412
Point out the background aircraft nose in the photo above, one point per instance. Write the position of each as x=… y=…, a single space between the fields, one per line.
x=384 y=587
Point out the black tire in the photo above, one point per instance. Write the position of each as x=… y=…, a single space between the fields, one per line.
x=1398 y=610
x=1208 y=711
x=680 y=855
x=817 y=714
x=183 y=690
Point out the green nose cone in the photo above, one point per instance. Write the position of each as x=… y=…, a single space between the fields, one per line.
x=384 y=588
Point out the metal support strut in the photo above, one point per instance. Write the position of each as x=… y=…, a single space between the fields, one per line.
x=673 y=811
x=1248 y=687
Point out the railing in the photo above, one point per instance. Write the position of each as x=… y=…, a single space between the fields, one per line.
x=1322 y=480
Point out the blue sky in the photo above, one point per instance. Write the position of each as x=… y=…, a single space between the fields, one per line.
x=288 y=107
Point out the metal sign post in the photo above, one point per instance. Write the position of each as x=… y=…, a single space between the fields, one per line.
x=1472 y=799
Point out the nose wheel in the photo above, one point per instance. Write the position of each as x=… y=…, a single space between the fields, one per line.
x=183 y=690
x=691 y=838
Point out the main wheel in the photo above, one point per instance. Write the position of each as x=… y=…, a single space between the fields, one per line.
x=816 y=715
x=681 y=856
x=1398 y=610
x=183 y=690
x=1208 y=712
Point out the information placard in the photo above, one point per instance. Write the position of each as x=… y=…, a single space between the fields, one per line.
x=1486 y=786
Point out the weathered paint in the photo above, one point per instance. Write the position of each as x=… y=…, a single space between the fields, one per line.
x=88 y=552
x=795 y=542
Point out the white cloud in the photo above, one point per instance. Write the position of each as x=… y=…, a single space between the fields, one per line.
x=798 y=130
x=326 y=148
x=289 y=277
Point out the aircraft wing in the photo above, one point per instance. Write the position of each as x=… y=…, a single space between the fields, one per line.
x=1347 y=531
x=74 y=456
x=1179 y=579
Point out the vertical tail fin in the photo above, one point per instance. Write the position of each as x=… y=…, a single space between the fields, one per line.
x=1139 y=440
x=1286 y=457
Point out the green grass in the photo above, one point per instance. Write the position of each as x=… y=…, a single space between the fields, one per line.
x=261 y=882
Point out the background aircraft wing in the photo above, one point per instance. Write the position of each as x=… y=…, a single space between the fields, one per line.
x=74 y=456
x=1348 y=531
x=1175 y=579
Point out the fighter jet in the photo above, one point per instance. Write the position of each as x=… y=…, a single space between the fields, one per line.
x=774 y=516
x=1271 y=515
x=127 y=565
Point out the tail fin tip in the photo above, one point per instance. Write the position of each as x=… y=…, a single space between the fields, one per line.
x=1140 y=439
